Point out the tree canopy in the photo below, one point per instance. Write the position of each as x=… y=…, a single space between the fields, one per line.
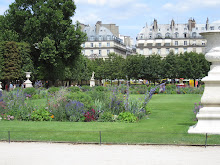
x=47 y=26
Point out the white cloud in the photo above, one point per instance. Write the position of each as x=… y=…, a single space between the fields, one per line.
x=87 y=18
x=187 y=5
x=109 y=3
x=3 y=9
x=218 y=21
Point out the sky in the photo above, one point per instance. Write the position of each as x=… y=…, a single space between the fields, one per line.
x=132 y=15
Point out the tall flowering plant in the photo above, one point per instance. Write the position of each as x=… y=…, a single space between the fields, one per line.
x=116 y=103
x=197 y=107
x=127 y=98
x=75 y=110
x=149 y=94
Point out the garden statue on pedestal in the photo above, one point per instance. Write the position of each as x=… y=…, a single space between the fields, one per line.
x=92 y=80
x=28 y=83
x=0 y=86
x=209 y=116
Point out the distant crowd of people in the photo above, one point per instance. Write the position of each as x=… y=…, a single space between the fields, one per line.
x=10 y=86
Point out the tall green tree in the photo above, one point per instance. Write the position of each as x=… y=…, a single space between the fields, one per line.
x=134 y=66
x=5 y=33
x=170 y=66
x=1 y=59
x=117 y=66
x=99 y=67
x=154 y=67
x=26 y=60
x=12 y=62
x=193 y=65
x=47 y=26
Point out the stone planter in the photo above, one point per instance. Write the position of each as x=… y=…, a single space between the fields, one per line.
x=28 y=83
x=209 y=116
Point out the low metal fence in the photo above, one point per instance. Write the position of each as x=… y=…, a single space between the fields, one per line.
x=108 y=137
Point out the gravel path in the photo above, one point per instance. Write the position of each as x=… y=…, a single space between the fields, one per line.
x=69 y=154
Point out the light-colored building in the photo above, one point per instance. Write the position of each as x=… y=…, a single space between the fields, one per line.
x=179 y=38
x=103 y=39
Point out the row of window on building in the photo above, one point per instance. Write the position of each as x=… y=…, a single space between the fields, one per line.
x=105 y=38
x=176 y=43
x=93 y=45
x=99 y=52
x=168 y=35
x=158 y=51
x=197 y=28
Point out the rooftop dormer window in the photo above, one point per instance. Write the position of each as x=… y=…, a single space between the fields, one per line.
x=108 y=37
x=92 y=38
x=176 y=35
x=167 y=35
x=159 y=35
x=194 y=34
x=100 y=38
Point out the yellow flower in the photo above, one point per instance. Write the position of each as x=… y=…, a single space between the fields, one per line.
x=52 y=116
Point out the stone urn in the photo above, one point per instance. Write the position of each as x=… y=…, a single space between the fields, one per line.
x=209 y=115
x=28 y=83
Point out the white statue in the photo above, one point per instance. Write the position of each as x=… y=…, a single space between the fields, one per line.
x=93 y=73
x=92 y=80
x=0 y=86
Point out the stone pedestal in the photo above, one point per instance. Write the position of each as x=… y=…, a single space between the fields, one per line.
x=209 y=116
x=92 y=82
x=28 y=83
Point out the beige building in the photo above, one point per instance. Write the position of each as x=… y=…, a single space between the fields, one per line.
x=103 y=39
x=179 y=38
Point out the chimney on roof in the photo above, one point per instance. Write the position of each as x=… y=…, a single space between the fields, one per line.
x=155 y=25
x=98 y=25
x=172 y=24
x=207 y=24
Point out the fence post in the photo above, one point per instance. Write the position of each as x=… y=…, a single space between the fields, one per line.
x=100 y=137
x=9 y=140
x=206 y=136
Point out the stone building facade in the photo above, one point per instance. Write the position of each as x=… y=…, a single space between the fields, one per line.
x=179 y=38
x=103 y=39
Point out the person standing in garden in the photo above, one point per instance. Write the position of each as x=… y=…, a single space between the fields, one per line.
x=11 y=87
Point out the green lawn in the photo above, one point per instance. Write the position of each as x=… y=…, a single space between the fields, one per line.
x=168 y=124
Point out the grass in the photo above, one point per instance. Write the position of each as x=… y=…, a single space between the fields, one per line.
x=168 y=124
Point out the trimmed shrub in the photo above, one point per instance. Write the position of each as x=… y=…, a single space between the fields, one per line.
x=53 y=90
x=74 y=89
x=127 y=117
x=30 y=91
x=106 y=117
x=100 y=88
